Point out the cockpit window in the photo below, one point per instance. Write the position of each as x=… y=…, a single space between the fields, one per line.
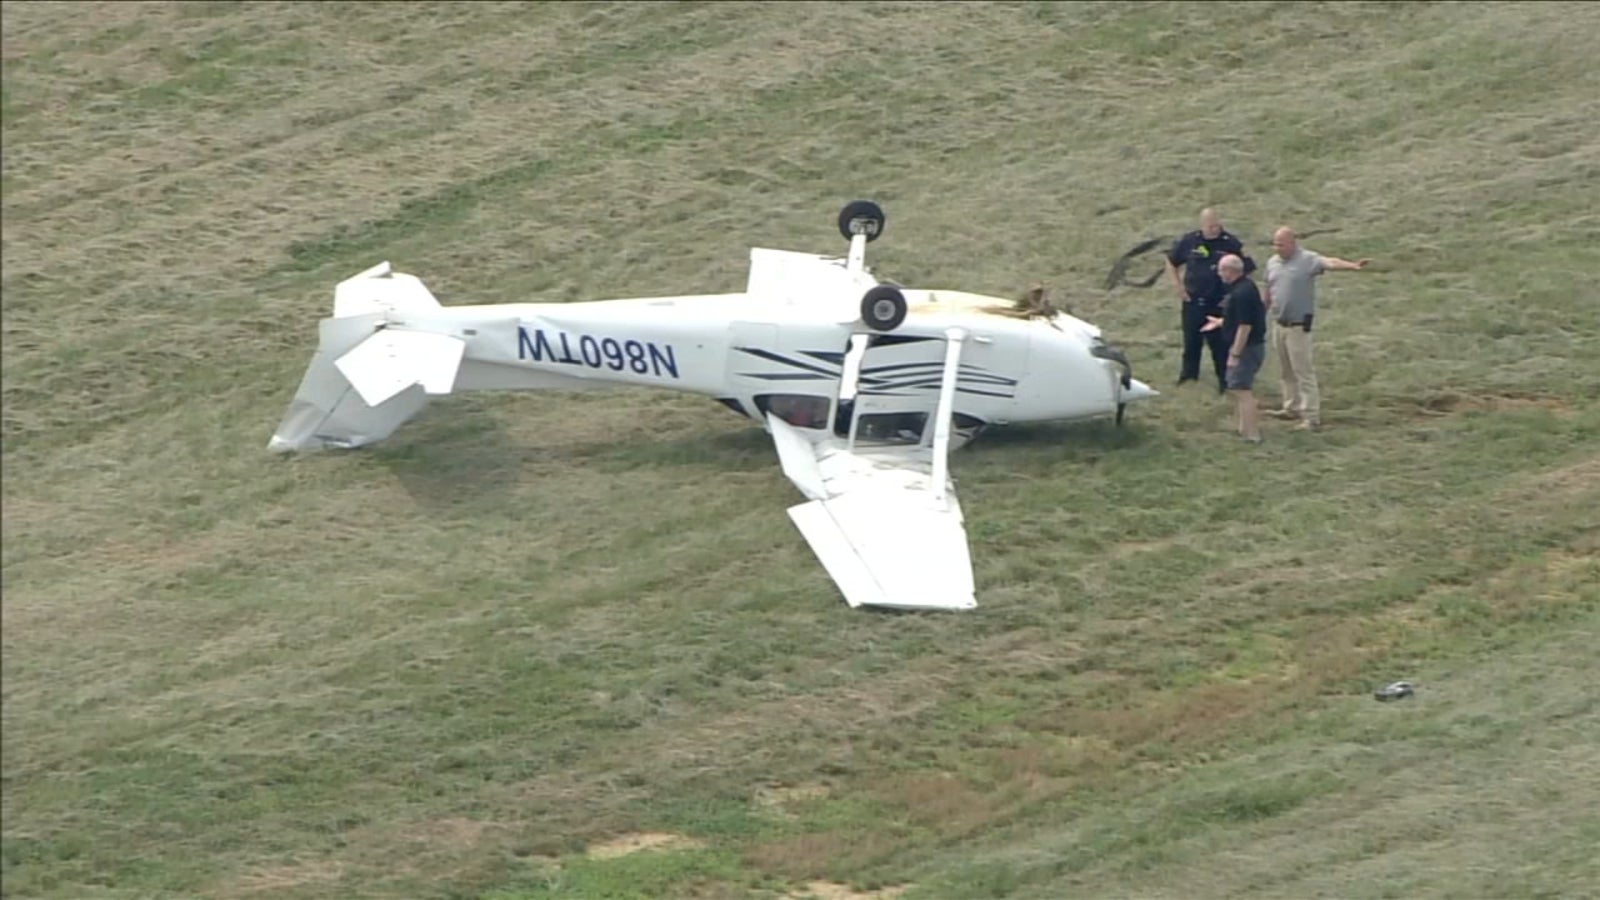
x=891 y=428
x=799 y=410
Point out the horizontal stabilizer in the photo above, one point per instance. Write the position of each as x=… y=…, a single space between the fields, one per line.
x=379 y=289
x=326 y=411
x=390 y=361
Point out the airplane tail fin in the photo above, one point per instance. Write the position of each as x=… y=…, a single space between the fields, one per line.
x=367 y=379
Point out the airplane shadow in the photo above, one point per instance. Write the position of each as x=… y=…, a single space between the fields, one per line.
x=462 y=454
x=446 y=457
x=1088 y=439
x=740 y=450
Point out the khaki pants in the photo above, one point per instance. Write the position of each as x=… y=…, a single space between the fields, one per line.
x=1298 y=372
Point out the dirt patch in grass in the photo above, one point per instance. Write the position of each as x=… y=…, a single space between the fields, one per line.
x=829 y=890
x=780 y=796
x=1452 y=402
x=641 y=841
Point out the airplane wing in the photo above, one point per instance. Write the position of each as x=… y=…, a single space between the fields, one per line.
x=884 y=522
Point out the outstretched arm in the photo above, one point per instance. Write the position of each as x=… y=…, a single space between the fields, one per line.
x=1337 y=264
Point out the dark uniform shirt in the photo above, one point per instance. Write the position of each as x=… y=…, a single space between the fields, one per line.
x=1242 y=305
x=1198 y=255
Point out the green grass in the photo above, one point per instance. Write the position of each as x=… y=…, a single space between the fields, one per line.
x=457 y=664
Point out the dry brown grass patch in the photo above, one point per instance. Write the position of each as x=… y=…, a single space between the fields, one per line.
x=1190 y=717
x=942 y=801
x=1581 y=476
x=820 y=854
x=451 y=833
x=284 y=878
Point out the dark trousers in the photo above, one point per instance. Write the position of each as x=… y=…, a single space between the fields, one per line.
x=1194 y=316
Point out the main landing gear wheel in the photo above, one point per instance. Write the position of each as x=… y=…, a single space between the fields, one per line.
x=861 y=217
x=883 y=308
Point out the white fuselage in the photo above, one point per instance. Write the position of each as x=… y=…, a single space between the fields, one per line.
x=753 y=355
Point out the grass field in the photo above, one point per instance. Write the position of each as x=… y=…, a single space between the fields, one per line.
x=539 y=645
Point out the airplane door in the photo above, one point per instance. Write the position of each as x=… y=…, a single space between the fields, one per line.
x=890 y=389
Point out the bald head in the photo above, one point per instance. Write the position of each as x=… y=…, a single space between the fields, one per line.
x=1210 y=222
x=1284 y=242
x=1230 y=267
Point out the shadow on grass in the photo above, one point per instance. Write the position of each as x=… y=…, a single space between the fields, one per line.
x=1080 y=441
x=745 y=450
x=447 y=457
x=465 y=455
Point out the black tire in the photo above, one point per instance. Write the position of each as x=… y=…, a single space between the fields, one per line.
x=883 y=308
x=1121 y=409
x=864 y=216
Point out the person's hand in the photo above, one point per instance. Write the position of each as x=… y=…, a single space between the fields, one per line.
x=1361 y=263
x=1212 y=324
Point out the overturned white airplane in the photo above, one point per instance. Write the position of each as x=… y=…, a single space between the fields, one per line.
x=865 y=386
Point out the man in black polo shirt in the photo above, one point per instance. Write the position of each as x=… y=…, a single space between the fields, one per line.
x=1243 y=327
x=1200 y=291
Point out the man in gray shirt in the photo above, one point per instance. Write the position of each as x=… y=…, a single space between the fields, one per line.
x=1292 y=303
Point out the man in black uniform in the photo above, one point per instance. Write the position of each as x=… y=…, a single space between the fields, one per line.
x=1200 y=291
x=1243 y=329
